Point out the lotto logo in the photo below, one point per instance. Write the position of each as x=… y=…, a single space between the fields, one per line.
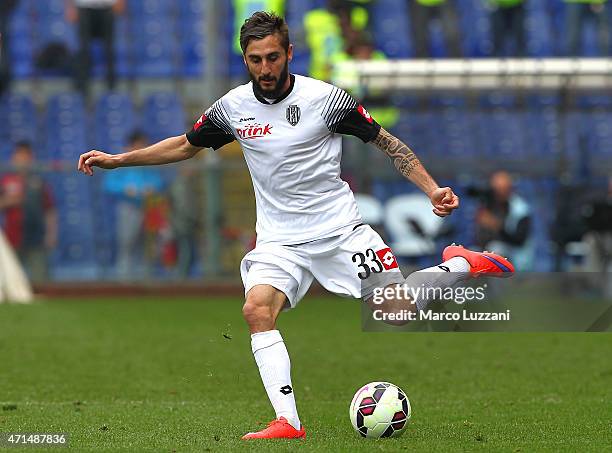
x=361 y=109
x=199 y=123
x=387 y=258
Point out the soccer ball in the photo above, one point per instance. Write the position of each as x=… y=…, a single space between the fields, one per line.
x=380 y=409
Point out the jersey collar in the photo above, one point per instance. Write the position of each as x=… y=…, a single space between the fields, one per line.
x=280 y=99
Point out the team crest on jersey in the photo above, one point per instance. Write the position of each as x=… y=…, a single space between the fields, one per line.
x=293 y=114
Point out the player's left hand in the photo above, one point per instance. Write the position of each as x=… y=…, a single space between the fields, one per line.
x=444 y=201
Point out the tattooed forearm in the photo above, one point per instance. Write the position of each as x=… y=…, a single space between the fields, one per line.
x=403 y=158
x=405 y=161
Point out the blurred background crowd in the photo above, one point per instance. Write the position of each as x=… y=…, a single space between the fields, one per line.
x=533 y=167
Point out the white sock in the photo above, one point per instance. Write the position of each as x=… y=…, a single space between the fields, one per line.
x=444 y=275
x=275 y=369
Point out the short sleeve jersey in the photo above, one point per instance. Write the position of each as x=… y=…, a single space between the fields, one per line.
x=292 y=148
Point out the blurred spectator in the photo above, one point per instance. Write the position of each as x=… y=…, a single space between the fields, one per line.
x=508 y=23
x=157 y=231
x=379 y=105
x=598 y=237
x=325 y=41
x=354 y=17
x=579 y=13
x=503 y=222
x=243 y=9
x=30 y=214
x=378 y=102
x=185 y=207
x=130 y=188
x=423 y=13
x=96 y=20
x=6 y=10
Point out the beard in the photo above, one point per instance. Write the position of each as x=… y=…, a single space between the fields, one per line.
x=277 y=90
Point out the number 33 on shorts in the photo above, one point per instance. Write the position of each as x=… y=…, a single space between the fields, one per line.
x=372 y=261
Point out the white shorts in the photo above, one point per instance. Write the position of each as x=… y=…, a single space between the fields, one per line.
x=351 y=264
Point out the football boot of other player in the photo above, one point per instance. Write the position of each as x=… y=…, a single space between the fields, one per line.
x=481 y=263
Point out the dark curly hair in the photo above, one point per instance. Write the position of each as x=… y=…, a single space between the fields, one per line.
x=262 y=24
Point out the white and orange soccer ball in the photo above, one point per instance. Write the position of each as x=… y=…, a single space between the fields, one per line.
x=380 y=409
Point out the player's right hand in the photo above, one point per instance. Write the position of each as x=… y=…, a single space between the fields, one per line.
x=444 y=201
x=95 y=158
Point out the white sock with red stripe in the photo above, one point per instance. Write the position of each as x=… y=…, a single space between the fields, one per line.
x=443 y=275
x=275 y=370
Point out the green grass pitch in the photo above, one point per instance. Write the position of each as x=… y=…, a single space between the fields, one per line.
x=147 y=374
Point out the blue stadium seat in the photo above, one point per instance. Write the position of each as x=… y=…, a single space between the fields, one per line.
x=587 y=135
x=574 y=140
x=391 y=28
x=66 y=127
x=51 y=25
x=540 y=193
x=474 y=28
x=163 y=8
x=74 y=257
x=155 y=48
x=294 y=14
x=415 y=127
x=154 y=38
x=462 y=220
x=18 y=121
x=114 y=120
x=191 y=8
x=192 y=38
x=235 y=62
x=500 y=131
x=543 y=132
x=591 y=100
x=600 y=145
x=164 y=116
x=105 y=220
x=538 y=29
x=456 y=130
x=123 y=50
x=22 y=45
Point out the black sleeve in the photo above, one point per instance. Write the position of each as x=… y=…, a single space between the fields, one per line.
x=212 y=130
x=342 y=114
x=359 y=123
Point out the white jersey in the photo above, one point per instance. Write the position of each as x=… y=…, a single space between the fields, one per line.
x=292 y=148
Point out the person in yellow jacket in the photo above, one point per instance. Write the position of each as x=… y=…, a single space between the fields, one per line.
x=328 y=30
x=578 y=13
x=379 y=103
x=325 y=41
x=360 y=166
x=354 y=17
x=422 y=12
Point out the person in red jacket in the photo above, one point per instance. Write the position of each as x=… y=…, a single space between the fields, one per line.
x=30 y=217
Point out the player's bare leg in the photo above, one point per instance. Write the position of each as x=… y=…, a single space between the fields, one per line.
x=261 y=308
x=459 y=264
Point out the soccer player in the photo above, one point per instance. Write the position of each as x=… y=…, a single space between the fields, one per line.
x=308 y=225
